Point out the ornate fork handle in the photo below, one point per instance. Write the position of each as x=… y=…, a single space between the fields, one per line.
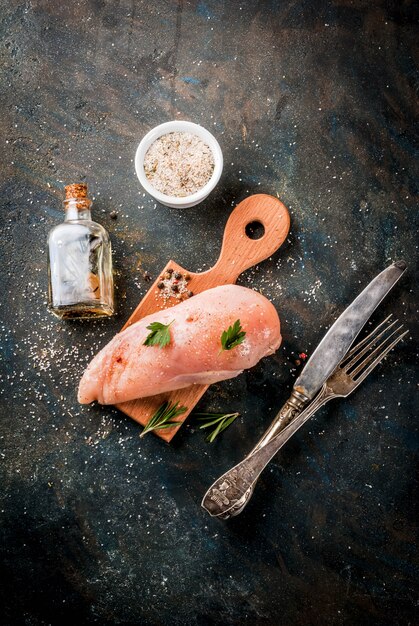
x=292 y=407
x=233 y=489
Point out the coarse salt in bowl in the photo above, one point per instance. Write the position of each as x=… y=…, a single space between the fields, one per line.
x=179 y=202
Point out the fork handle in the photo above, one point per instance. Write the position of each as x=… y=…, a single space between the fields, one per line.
x=289 y=411
x=227 y=491
x=292 y=407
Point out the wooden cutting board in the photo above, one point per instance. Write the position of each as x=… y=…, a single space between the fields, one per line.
x=238 y=253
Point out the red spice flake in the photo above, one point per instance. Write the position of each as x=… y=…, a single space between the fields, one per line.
x=303 y=356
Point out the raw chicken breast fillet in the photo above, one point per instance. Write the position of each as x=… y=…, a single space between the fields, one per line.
x=127 y=369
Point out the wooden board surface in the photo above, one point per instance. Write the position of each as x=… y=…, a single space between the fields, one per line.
x=238 y=253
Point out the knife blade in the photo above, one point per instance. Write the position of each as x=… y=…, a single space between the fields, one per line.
x=333 y=347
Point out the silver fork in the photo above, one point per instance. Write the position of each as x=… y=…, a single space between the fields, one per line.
x=229 y=494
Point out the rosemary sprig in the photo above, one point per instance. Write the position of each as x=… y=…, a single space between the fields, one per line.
x=220 y=421
x=159 y=335
x=163 y=417
x=232 y=337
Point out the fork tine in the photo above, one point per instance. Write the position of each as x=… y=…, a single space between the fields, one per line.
x=371 y=343
x=367 y=338
x=379 y=358
x=381 y=346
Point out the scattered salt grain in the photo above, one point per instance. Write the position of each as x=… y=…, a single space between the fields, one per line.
x=244 y=348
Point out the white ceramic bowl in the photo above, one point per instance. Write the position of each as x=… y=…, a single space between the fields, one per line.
x=179 y=126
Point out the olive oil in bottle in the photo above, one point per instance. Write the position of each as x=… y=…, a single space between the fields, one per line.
x=79 y=262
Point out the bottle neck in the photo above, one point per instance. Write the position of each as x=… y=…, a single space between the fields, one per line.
x=76 y=209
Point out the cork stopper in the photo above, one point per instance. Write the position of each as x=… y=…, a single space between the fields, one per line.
x=76 y=191
x=76 y=198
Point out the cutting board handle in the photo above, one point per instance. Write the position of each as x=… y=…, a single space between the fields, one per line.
x=239 y=251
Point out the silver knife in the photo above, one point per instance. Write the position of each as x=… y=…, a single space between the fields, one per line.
x=326 y=357
x=333 y=347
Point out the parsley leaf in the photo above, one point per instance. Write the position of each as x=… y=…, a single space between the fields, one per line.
x=159 y=335
x=232 y=337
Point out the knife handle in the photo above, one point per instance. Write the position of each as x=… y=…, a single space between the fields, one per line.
x=228 y=496
x=292 y=407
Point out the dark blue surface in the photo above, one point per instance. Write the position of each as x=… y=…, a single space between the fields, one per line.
x=315 y=102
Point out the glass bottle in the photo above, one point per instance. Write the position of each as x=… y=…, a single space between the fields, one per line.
x=80 y=282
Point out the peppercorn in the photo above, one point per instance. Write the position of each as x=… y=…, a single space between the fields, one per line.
x=146 y=277
x=178 y=275
x=169 y=271
x=190 y=294
x=175 y=288
x=113 y=215
x=160 y=285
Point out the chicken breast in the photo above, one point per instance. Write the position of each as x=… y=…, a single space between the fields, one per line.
x=127 y=369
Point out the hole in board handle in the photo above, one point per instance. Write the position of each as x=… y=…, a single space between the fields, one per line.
x=255 y=230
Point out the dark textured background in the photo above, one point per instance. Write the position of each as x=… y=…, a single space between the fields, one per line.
x=315 y=102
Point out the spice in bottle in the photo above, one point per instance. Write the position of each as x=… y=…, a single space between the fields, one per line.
x=80 y=281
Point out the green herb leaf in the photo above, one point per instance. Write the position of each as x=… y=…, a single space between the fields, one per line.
x=159 y=335
x=221 y=421
x=232 y=337
x=164 y=417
